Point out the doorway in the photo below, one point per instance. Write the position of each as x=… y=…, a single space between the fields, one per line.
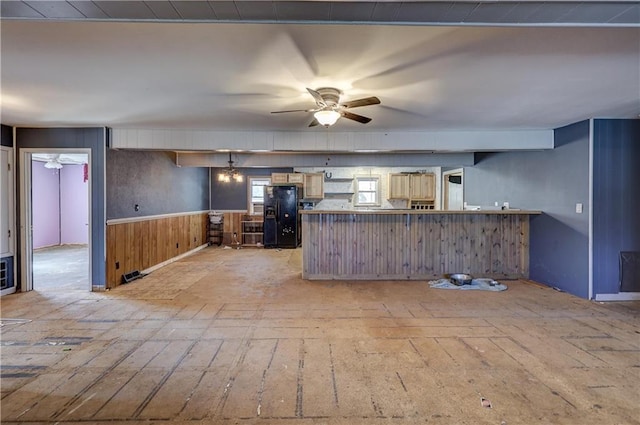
x=55 y=235
x=453 y=189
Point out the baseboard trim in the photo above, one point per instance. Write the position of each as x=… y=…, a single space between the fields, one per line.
x=621 y=296
x=174 y=259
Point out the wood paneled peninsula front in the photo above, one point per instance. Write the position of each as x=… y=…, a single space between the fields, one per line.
x=414 y=244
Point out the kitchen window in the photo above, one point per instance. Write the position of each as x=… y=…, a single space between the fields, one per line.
x=367 y=191
x=256 y=194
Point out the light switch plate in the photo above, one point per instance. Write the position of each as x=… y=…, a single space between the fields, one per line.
x=579 y=208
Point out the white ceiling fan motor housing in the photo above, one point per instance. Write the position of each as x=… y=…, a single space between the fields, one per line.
x=330 y=95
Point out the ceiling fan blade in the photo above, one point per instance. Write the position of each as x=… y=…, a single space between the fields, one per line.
x=361 y=102
x=73 y=159
x=292 y=110
x=314 y=123
x=355 y=117
x=316 y=96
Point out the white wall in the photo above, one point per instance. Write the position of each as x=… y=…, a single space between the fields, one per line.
x=332 y=141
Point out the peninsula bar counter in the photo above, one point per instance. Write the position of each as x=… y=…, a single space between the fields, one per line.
x=414 y=244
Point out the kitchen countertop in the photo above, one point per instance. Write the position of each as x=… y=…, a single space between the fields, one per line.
x=418 y=212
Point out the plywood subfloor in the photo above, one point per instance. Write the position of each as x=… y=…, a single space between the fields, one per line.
x=236 y=337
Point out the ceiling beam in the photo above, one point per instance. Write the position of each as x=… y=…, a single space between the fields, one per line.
x=270 y=160
x=322 y=140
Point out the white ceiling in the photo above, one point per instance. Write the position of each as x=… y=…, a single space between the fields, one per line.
x=230 y=76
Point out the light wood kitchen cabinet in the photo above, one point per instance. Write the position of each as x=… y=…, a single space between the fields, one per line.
x=313 y=186
x=399 y=186
x=295 y=178
x=279 y=178
x=423 y=187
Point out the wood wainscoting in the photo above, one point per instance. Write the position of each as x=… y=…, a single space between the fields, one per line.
x=391 y=245
x=141 y=243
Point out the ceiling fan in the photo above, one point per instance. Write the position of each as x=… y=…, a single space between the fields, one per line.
x=53 y=163
x=329 y=109
x=57 y=161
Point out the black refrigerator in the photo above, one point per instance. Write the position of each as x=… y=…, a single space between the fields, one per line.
x=281 y=223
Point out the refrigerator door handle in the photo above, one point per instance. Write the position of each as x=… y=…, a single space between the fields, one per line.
x=277 y=210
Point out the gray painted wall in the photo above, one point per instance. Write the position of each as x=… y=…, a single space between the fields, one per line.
x=96 y=140
x=233 y=195
x=6 y=136
x=552 y=181
x=616 y=198
x=152 y=181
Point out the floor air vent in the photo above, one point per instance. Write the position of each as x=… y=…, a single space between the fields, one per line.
x=6 y=273
x=131 y=276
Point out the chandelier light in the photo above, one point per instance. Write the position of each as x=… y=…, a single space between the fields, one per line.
x=327 y=117
x=230 y=173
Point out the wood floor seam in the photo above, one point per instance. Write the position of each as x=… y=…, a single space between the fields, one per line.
x=240 y=338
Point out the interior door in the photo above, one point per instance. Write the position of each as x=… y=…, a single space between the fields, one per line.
x=453 y=186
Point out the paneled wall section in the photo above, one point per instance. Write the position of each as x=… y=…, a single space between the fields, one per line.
x=301 y=141
x=141 y=244
x=414 y=246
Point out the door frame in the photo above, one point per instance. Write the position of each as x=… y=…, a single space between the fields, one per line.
x=26 y=213
x=445 y=186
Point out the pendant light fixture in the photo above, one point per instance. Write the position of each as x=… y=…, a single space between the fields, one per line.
x=230 y=173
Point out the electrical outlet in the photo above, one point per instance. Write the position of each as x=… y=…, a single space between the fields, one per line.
x=505 y=205
x=579 y=208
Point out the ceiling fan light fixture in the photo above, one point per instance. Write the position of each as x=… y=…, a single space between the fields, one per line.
x=53 y=164
x=329 y=108
x=327 y=117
